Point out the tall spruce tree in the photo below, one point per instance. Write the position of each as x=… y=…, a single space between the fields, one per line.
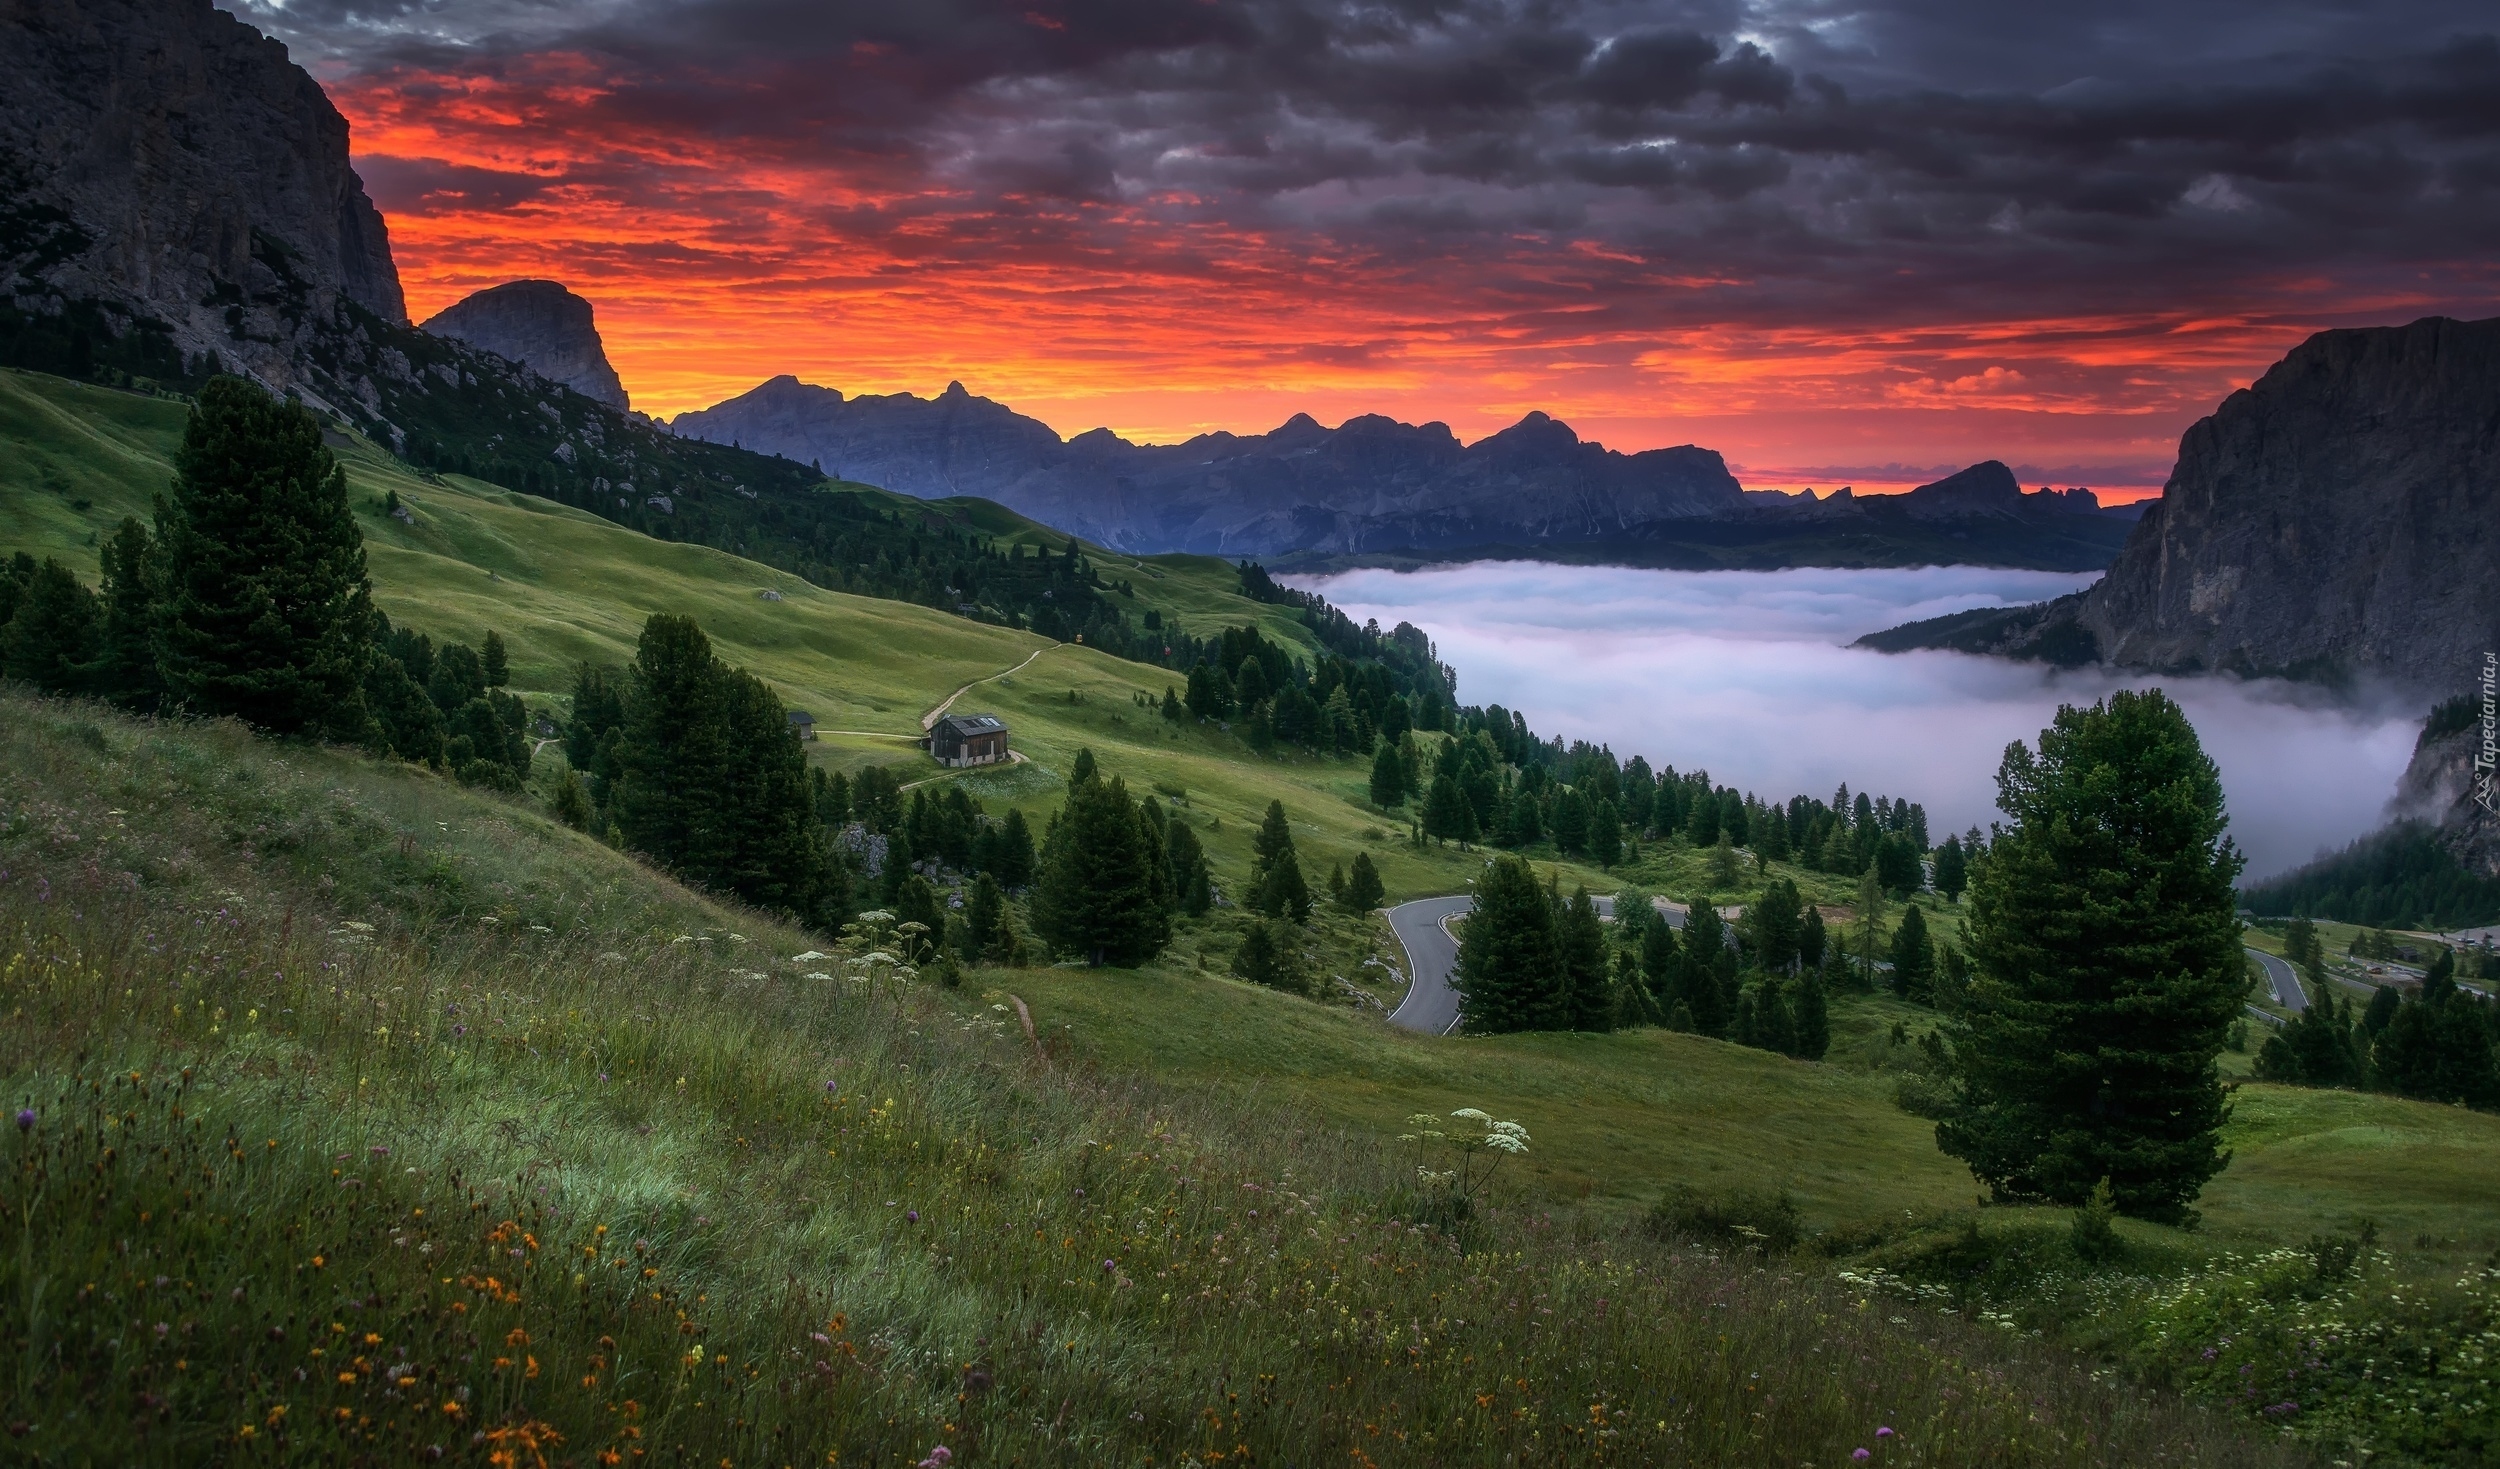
x=1913 y=958
x=672 y=755
x=2104 y=940
x=50 y=640
x=125 y=666
x=1586 y=999
x=1388 y=778
x=265 y=612
x=1813 y=1023
x=1773 y=925
x=1508 y=965
x=1952 y=870
x=1363 y=889
x=1709 y=970
x=1191 y=887
x=1099 y=897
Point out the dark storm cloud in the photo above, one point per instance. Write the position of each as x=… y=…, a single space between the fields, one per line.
x=2109 y=147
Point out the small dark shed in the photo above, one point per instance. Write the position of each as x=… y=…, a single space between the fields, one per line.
x=968 y=739
x=803 y=724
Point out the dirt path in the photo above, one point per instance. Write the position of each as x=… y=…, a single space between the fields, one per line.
x=928 y=720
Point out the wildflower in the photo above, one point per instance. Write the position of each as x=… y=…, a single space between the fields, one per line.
x=939 y=1458
x=911 y=1216
x=26 y=1119
x=1860 y=1455
x=1883 y=1433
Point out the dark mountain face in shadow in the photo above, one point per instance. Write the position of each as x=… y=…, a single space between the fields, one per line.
x=1376 y=489
x=1371 y=483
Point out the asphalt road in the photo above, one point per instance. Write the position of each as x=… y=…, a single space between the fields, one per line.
x=1431 y=1004
x=2287 y=990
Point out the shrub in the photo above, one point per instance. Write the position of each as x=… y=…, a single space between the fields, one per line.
x=1767 y=1223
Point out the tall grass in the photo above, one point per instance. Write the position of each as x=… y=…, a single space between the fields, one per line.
x=368 y=1120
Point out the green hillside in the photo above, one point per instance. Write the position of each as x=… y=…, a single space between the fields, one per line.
x=1299 y=1096
x=429 y=1128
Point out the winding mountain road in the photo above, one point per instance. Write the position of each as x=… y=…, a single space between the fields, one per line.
x=2287 y=990
x=1431 y=1003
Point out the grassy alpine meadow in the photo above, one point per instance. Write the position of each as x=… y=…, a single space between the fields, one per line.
x=420 y=1124
x=359 y=1117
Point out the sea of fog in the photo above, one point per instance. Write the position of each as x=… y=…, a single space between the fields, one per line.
x=1749 y=675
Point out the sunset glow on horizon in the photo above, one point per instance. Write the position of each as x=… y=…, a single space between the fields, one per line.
x=1097 y=223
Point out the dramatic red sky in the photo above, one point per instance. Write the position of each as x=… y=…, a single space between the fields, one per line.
x=1839 y=245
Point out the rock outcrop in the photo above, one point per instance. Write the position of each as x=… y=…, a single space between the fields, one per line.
x=2338 y=521
x=541 y=325
x=2453 y=781
x=164 y=163
x=1370 y=483
x=2340 y=518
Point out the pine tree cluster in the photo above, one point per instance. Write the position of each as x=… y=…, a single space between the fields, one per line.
x=1535 y=960
x=2439 y=1044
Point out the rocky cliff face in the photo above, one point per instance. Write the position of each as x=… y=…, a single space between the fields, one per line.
x=162 y=161
x=542 y=325
x=2453 y=781
x=1370 y=483
x=2340 y=517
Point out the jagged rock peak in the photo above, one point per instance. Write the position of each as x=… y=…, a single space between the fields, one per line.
x=543 y=326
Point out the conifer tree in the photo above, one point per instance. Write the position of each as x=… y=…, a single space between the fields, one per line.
x=1082 y=769
x=1447 y=815
x=495 y=662
x=1388 y=789
x=1276 y=880
x=1811 y=939
x=1723 y=863
x=1812 y=1012
x=1952 y=871
x=125 y=667
x=1571 y=823
x=918 y=903
x=1580 y=959
x=1099 y=896
x=1773 y=925
x=1662 y=963
x=1913 y=958
x=1187 y=857
x=1016 y=862
x=985 y=921
x=1709 y=968
x=265 y=612
x=1507 y=962
x=2105 y=945
x=1605 y=833
x=672 y=754
x=1271 y=955
x=572 y=801
x=1363 y=890
x=50 y=640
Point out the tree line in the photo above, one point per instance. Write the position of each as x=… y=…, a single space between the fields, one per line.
x=2440 y=1043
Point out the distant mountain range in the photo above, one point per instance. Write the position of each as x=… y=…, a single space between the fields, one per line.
x=1374 y=489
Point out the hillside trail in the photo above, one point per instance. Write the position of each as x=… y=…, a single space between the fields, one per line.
x=929 y=720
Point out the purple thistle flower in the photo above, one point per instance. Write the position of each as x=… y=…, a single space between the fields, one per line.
x=1883 y=1433
x=26 y=1119
x=1860 y=1455
x=911 y=1216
